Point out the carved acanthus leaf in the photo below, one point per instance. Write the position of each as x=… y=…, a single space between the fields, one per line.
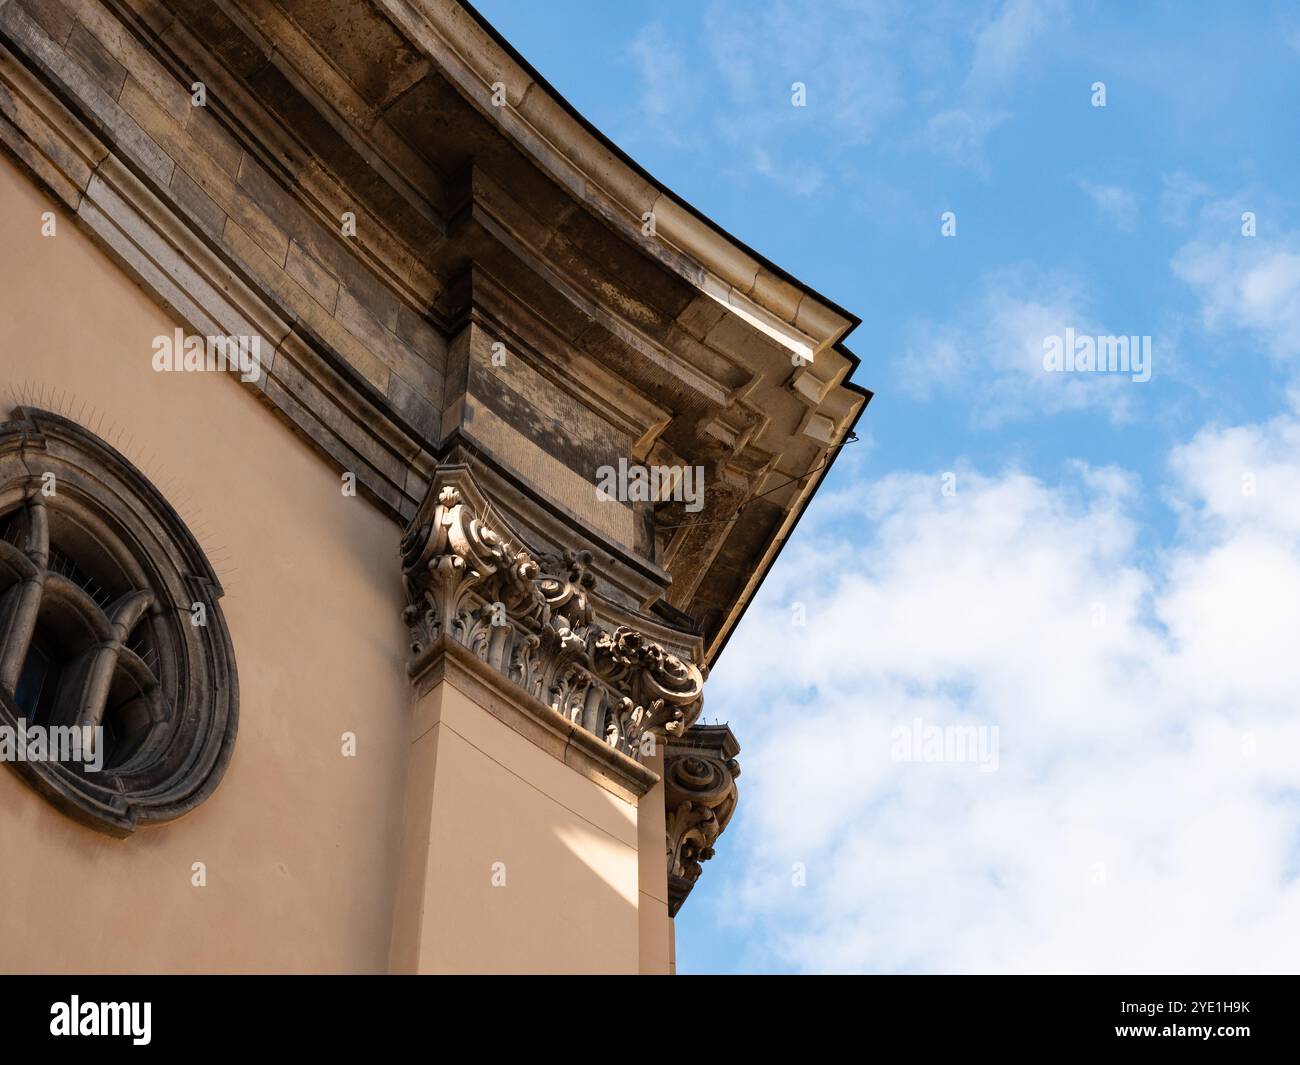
x=469 y=581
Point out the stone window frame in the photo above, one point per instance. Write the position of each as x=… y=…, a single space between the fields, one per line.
x=102 y=505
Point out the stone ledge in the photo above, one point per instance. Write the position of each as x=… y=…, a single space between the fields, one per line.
x=585 y=753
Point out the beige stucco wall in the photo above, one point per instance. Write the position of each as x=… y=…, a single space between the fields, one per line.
x=300 y=843
x=514 y=861
x=656 y=932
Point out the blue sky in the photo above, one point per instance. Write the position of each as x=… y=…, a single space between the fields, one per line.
x=1112 y=584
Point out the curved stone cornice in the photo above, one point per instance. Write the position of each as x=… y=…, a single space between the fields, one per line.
x=469 y=579
x=581 y=159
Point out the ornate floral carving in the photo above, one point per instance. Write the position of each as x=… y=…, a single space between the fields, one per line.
x=469 y=581
x=700 y=773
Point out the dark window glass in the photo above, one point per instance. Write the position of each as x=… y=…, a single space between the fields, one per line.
x=35 y=691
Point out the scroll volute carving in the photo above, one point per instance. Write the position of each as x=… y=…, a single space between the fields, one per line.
x=700 y=797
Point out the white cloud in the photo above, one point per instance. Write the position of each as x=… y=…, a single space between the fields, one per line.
x=1000 y=47
x=1250 y=283
x=992 y=351
x=843 y=51
x=1246 y=477
x=1003 y=41
x=1145 y=815
x=1180 y=193
x=960 y=133
x=667 y=92
x=1117 y=204
x=1291 y=33
x=800 y=178
x=732 y=77
x=873 y=71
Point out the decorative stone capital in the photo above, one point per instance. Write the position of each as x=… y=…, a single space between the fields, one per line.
x=470 y=580
x=700 y=772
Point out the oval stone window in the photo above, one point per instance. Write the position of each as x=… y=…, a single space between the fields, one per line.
x=118 y=693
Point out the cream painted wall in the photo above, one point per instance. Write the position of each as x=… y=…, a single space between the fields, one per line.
x=300 y=843
x=652 y=906
x=515 y=862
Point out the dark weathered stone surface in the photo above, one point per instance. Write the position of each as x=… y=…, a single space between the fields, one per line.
x=52 y=16
x=95 y=58
x=193 y=199
x=323 y=286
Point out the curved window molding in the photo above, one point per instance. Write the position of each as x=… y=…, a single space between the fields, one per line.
x=109 y=618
